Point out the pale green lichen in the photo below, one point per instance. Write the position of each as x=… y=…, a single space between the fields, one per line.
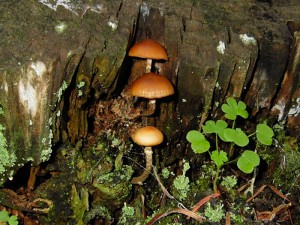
x=7 y=159
x=60 y=27
x=61 y=90
x=79 y=86
x=247 y=40
x=165 y=173
x=214 y=214
x=181 y=183
x=229 y=182
x=236 y=219
x=127 y=210
x=45 y=153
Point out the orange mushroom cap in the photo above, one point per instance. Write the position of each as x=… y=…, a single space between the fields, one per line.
x=148 y=49
x=148 y=136
x=151 y=86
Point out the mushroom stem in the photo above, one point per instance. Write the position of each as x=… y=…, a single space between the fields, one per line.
x=151 y=108
x=148 y=65
x=140 y=179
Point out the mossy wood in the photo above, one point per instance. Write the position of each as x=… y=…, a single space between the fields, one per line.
x=65 y=73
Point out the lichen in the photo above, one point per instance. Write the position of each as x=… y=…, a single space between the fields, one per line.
x=80 y=203
x=61 y=90
x=7 y=159
x=247 y=40
x=127 y=212
x=181 y=183
x=114 y=186
x=45 y=153
x=214 y=214
x=61 y=27
x=221 y=47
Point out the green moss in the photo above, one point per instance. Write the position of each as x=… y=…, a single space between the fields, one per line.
x=99 y=212
x=114 y=186
x=80 y=203
x=7 y=159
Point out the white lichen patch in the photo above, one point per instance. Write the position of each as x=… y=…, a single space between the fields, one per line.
x=28 y=97
x=247 y=40
x=144 y=10
x=295 y=109
x=61 y=90
x=113 y=23
x=221 y=47
x=280 y=107
x=39 y=67
x=46 y=152
x=161 y=9
x=60 y=27
x=67 y=4
x=73 y=6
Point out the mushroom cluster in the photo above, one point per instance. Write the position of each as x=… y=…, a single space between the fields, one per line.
x=151 y=86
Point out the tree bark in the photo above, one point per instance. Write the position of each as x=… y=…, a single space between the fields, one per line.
x=65 y=75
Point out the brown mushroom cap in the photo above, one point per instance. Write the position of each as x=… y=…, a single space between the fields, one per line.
x=148 y=49
x=151 y=86
x=148 y=136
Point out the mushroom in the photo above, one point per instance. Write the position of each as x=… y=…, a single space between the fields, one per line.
x=148 y=49
x=148 y=136
x=151 y=86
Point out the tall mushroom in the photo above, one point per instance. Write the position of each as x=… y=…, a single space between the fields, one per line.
x=151 y=86
x=148 y=136
x=148 y=49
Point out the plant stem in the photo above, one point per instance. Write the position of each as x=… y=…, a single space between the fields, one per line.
x=217 y=144
x=250 y=135
x=231 y=145
x=231 y=150
x=234 y=160
x=215 y=180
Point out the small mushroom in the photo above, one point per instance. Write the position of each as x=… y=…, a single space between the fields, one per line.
x=151 y=86
x=148 y=136
x=148 y=49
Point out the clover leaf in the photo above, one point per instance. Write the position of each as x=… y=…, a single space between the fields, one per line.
x=4 y=216
x=219 y=157
x=248 y=160
x=264 y=134
x=199 y=144
x=236 y=136
x=13 y=220
x=215 y=127
x=233 y=109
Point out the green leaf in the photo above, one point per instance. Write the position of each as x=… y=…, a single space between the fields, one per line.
x=237 y=136
x=215 y=127
x=219 y=157
x=233 y=109
x=264 y=134
x=248 y=160
x=13 y=220
x=198 y=142
x=4 y=216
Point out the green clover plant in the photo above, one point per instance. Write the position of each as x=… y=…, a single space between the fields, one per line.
x=6 y=218
x=248 y=159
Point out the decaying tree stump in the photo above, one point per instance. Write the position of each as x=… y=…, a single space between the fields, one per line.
x=65 y=74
